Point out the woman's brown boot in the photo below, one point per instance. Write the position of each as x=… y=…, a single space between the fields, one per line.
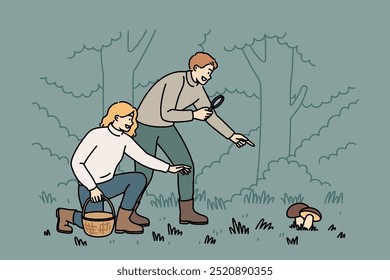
x=138 y=219
x=123 y=223
x=64 y=217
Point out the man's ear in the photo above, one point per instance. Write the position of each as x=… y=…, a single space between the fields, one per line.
x=196 y=67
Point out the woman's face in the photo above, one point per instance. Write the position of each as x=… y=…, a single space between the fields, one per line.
x=124 y=123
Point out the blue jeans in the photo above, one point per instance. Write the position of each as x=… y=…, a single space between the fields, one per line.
x=130 y=184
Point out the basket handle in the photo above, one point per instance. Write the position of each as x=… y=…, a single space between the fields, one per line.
x=103 y=198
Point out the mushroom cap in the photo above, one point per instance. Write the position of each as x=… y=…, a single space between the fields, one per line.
x=294 y=210
x=311 y=211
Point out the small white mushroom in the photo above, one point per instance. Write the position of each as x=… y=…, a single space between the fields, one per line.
x=294 y=212
x=308 y=222
x=299 y=221
x=310 y=215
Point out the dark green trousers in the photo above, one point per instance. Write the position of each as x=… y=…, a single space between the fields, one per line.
x=172 y=144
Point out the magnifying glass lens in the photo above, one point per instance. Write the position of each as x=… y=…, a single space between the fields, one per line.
x=217 y=101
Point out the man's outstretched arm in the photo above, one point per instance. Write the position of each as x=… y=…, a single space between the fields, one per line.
x=219 y=125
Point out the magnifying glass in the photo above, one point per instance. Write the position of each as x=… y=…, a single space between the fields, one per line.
x=216 y=102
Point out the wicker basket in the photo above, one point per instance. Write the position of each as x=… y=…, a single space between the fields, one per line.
x=98 y=224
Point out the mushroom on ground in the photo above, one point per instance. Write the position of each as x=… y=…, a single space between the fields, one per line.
x=310 y=215
x=294 y=212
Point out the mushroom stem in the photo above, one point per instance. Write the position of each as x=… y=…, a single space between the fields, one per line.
x=308 y=222
x=299 y=221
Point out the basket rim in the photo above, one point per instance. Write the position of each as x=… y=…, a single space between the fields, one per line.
x=103 y=198
x=98 y=219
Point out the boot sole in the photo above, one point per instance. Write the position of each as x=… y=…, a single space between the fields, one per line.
x=63 y=231
x=193 y=223
x=58 y=212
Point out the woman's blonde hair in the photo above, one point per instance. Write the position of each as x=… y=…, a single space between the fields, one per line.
x=121 y=109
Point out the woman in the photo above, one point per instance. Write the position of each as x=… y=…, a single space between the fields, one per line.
x=94 y=163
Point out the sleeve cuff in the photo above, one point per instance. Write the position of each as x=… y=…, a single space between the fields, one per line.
x=230 y=135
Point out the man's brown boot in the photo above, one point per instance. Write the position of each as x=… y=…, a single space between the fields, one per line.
x=189 y=216
x=64 y=217
x=138 y=219
x=123 y=223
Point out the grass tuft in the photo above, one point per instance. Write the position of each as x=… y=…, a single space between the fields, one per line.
x=80 y=242
x=262 y=224
x=301 y=228
x=289 y=199
x=157 y=237
x=199 y=196
x=254 y=198
x=217 y=204
x=238 y=228
x=334 y=198
x=292 y=241
x=173 y=230
x=162 y=202
x=47 y=197
x=210 y=240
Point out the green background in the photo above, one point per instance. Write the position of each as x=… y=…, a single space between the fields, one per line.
x=52 y=57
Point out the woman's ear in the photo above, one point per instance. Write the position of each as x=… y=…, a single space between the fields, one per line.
x=116 y=117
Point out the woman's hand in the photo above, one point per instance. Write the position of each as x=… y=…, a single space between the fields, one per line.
x=183 y=169
x=96 y=195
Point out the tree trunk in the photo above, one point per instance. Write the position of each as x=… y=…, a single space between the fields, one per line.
x=276 y=110
x=118 y=75
x=120 y=62
x=274 y=70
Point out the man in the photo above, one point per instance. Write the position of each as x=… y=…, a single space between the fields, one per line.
x=164 y=105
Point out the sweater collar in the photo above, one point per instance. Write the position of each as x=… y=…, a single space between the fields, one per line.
x=190 y=81
x=114 y=131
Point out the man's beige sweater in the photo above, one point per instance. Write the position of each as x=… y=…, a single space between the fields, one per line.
x=168 y=100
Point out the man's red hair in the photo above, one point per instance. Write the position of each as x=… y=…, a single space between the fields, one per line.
x=201 y=59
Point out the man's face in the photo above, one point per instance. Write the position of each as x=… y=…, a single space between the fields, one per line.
x=203 y=75
x=124 y=123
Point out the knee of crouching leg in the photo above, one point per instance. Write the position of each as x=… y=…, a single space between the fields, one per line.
x=140 y=178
